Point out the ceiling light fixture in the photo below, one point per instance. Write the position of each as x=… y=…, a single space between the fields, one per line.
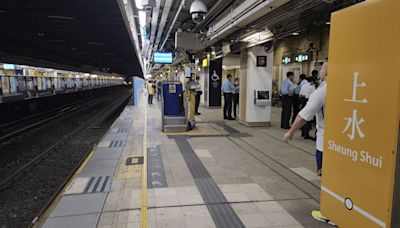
x=295 y=34
x=138 y=4
x=60 y=17
x=142 y=18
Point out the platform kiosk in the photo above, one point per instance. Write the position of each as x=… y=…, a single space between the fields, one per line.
x=174 y=114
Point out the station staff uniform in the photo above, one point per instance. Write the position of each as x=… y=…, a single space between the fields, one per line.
x=227 y=88
x=236 y=96
x=287 y=93
x=315 y=107
x=296 y=99
x=305 y=93
x=197 y=97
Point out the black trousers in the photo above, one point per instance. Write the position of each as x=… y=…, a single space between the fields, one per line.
x=235 y=103
x=150 y=100
x=286 y=111
x=296 y=106
x=227 y=105
x=305 y=130
x=197 y=101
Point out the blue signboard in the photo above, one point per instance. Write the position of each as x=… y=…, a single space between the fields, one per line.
x=162 y=57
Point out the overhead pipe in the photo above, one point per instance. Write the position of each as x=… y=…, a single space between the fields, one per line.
x=154 y=20
x=167 y=7
x=173 y=23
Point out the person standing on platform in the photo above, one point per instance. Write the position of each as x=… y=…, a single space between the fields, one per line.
x=198 y=95
x=296 y=100
x=305 y=93
x=314 y=75
x=236 y=96
x=227 y=90
x=314 y=107
x=287 y=90
x=150 y=91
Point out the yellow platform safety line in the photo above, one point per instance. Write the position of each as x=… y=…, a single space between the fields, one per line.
x=143 y=192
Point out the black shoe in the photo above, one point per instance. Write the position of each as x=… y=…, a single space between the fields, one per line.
x=230 y=118
x=225 y=118
x=197 y=113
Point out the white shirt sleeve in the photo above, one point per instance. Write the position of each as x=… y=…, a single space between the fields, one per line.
x=303 y=89
x=314 y=105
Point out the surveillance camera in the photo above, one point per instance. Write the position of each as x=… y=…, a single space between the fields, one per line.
x=198 y=10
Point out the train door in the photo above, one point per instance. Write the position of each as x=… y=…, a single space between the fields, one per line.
x=21 y=84
x=13 y=84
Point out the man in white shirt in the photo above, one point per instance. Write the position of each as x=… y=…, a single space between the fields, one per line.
x=305 y=93
x=307 y=89
x=314 y=107
x=198 y=95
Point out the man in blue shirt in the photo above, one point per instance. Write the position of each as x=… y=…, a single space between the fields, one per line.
x=287 y=91
x=227 y=89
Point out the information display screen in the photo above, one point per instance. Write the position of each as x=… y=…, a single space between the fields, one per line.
x=263 y=95
x=8 y=66
x=163 y=57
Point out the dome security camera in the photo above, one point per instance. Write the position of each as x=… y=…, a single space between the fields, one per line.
x=198 y=11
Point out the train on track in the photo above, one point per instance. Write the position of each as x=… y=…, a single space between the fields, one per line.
x=19 y=82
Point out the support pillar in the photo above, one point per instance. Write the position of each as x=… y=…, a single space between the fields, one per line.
x=255 y=79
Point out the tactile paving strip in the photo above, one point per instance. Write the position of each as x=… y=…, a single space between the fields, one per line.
x=122 y=130
x=221 y=211
x=97 y=184
x=116 y=143
x=232 y=131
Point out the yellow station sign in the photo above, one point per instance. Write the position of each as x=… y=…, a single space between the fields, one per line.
x=362 y=115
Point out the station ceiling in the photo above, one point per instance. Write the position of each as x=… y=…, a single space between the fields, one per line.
x=81 y=35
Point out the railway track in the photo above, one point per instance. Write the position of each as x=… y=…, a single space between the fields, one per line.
x=14 y=128
x=76 y=144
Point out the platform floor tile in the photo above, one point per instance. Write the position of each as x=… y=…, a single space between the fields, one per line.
x=100 y=168
x=87 y=221
x=105 y=153
x=79 y=204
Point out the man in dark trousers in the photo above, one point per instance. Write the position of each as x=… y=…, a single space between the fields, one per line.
x=227 y=89
x=287 y=90
x=296 y=100
x=198 y=95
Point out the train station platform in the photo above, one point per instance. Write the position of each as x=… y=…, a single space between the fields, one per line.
x=223 y=174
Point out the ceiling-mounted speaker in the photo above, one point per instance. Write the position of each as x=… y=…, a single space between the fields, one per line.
x=148 y=5
x=268 y=46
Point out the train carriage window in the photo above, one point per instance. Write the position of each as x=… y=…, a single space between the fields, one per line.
x=30 y=84
x=21 y=84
